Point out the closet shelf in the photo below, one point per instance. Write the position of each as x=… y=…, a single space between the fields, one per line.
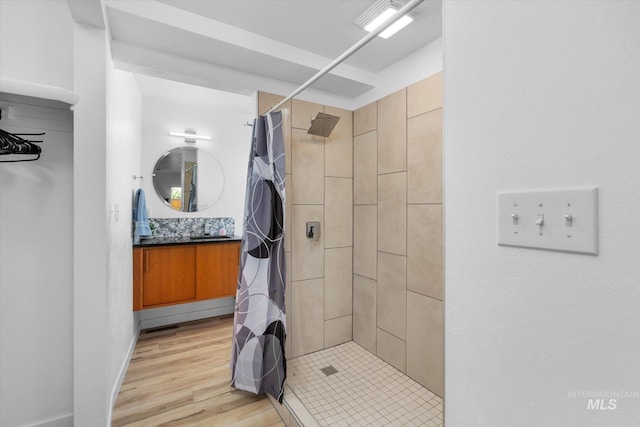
x=37 y=90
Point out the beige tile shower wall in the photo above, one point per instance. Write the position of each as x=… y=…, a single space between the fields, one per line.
x=365 y=169
x=319 y=187
x=338 y=282
x=398 y=293
x=338 y=205
x=338 y=147
x=392 y=133
x=364 y=312
x=307 y=168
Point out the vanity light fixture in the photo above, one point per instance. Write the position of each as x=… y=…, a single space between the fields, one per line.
x=189 y=135
x=380 y=12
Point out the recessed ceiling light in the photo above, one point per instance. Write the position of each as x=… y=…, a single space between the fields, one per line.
x=396 y=26
x=379 y=20
x=380 y=12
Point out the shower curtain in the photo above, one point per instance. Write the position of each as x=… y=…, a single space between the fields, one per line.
x=257 y=361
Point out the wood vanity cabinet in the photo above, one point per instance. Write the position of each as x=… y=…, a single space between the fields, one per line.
x=167 y=275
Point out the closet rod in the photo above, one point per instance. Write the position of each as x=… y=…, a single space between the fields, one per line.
x=347 y=53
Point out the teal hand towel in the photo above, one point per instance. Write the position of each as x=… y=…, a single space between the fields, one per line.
x=140 y=218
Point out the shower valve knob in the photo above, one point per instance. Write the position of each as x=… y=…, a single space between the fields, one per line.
x=313 y=230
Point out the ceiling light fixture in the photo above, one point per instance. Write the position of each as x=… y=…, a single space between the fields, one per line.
x=189 y=135
x=380 y=12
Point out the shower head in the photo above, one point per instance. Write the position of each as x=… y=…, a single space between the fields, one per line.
x=323 y=124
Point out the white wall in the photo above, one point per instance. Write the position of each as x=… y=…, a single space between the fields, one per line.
x=123 y=161
x=229 y=145
x=36 y=271
x=541 y=95
x=36 y=223
x=107 y=153
x=91 y=232
x=36 y=41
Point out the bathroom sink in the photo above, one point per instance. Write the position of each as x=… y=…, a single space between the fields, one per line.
x=210 y=237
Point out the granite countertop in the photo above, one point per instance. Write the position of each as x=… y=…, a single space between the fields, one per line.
x=167 y=241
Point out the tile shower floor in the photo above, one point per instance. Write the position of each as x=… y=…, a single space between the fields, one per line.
x=365 y=390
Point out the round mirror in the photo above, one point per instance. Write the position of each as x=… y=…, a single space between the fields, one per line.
x=188 y=179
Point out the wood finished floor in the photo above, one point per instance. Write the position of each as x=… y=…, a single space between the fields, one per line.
x=181 y=376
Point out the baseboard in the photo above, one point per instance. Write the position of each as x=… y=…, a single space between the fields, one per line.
x=123 y=371
x=162 y=316
x=186 y=317
x=63 y=421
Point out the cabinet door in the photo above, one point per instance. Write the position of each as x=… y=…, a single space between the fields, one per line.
x=138 y=268
x=168 y=275
x=217 y=269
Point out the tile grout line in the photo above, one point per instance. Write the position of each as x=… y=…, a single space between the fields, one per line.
x=406 y=239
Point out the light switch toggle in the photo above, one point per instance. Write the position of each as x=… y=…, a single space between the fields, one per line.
x=540 y=223
x=515 y=217
x=568 y=220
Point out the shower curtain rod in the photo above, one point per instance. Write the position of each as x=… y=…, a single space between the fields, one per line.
x=347 y=53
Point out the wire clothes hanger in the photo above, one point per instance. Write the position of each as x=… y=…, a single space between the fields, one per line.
x=13 y=143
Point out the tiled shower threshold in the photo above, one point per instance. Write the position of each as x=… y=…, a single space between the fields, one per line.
x=348 y=386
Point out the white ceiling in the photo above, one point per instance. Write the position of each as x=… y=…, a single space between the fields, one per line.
x=246 y=45
x=182 y=93
x=324 y=27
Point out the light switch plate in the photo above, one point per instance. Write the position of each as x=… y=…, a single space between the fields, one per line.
x=561 y=220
